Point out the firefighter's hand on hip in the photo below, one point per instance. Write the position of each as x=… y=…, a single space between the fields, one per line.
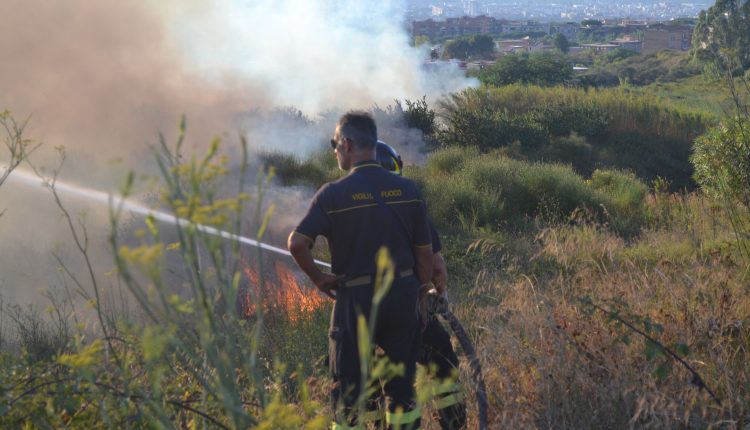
x=327 y=283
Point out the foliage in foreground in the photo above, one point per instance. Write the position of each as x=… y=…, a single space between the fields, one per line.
x=207 y=345
x=192 y=357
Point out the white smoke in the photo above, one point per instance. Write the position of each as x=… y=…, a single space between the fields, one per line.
x=103 y=77
x=315 y=55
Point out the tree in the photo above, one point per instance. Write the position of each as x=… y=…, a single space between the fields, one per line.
x=456 y=48
x=722 y=160
x=482 y=45
x=722 y=34
x=467 y=47
x=561 y=42
x=543 y=68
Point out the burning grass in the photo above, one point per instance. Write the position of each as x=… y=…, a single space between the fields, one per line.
x=282 y=294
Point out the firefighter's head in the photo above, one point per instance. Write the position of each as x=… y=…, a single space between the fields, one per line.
x=355 y=138
x=388 y=157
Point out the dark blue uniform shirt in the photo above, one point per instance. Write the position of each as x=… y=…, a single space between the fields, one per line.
x=347 y=213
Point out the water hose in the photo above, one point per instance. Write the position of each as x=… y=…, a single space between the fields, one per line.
x=434 y=304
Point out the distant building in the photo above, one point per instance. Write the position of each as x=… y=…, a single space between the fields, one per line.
x=568 y=29
x=662 y=37
x=637 y=23
x=628 y=42
x=455 y=27
x=524 y=27
x=513 y=46
x=600 y=47
x=472 y=8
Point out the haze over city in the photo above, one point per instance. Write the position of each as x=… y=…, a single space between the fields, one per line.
x=558 y=10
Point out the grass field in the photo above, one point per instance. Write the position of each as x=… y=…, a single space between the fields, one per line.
x=695 y=92
x=596 y=301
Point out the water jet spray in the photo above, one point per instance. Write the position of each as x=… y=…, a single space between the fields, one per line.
x=28 y=178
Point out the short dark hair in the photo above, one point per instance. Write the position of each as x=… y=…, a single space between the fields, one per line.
x=360 y=128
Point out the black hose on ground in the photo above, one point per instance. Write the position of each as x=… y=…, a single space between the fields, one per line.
x=436 y=304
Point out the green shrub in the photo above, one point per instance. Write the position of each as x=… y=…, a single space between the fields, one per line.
x=419 y=115
x=639 y=69
x=450 y=159
x=573 y=150
x=584 y=118
x=722 y=161
x=498 y=192
x=316 y=170
x=624 y=197
x=543 y=68
x=621 y=129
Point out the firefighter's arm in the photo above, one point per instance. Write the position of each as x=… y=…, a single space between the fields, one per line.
x=423 y=267
x=439 y=274
x=299 y=246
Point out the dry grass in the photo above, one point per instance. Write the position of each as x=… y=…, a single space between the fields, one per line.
x=550 y=361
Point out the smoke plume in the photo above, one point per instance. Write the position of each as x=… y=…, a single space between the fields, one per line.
x=104 y=77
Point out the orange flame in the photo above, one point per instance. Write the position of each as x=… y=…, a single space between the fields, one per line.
x=284 y=294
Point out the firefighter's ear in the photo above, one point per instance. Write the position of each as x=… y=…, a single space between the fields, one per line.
x=347 y=143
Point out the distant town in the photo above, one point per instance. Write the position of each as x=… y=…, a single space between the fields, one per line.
x=513 y=36
x=559 y=10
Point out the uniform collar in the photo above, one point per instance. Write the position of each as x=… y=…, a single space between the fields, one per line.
x=365 y=164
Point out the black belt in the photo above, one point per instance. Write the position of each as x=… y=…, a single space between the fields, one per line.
x=370 y=279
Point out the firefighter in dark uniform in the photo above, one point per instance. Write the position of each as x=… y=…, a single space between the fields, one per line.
x=358 y=214
x=436 y=349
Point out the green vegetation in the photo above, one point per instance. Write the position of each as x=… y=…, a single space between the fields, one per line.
x=490 y=191
x=290 y=170
x=589 y=129
x=547 y=260
x=622 y=65
x=561 y=43
x=600 y=34
x=543 y=68
x=469 y=47
x=591 y=23
x=189 y=356
x=420 y=40
x=722 y=161
x=722 y=35
x=209 y=350
x=597 y=242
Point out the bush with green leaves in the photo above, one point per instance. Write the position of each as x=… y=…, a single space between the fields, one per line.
x=468 y=47
x=585 y=118
x=290 y=170
x=625 y=196
x=625 y=66
x=722 y=161
x=418 y=114
x=487 y=190
x=623 y=130
x=543 y=68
